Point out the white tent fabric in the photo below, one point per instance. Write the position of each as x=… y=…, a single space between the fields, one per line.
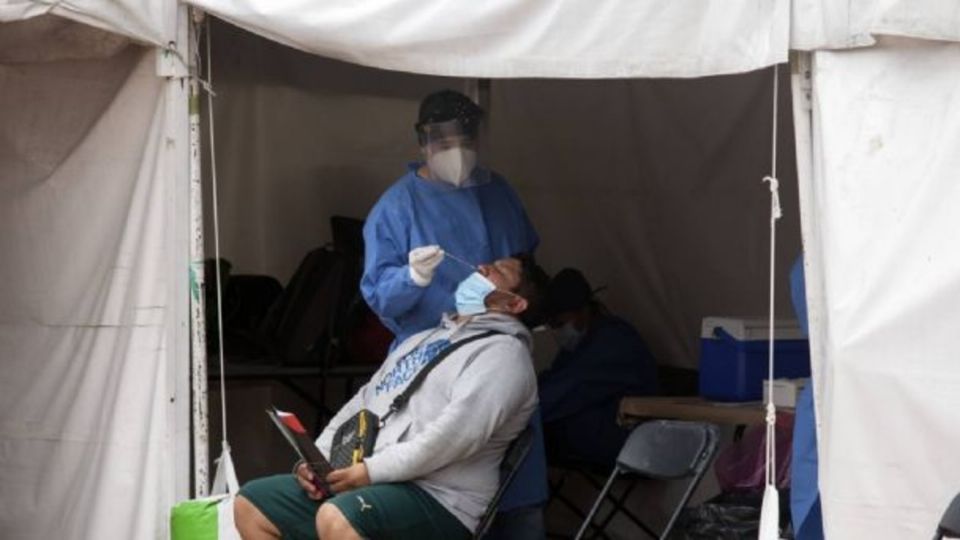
x=92 y=418
x=518 y=38
x=829 y=24
x=515 y=38
x=886 y=126
x=149 y=21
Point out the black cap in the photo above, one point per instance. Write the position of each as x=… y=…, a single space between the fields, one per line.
x=567 y=291
x=447 y=105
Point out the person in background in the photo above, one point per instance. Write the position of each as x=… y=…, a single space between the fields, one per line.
x=804 y=492
x=423 y=237
x=602 y=358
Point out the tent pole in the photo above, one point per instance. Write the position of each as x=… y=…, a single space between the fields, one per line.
x=178 y=321
x=198 y=336
x=479 y=91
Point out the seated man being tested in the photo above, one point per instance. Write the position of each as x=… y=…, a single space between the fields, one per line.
x=435 y=464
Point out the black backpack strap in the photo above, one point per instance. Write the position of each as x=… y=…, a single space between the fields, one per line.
x=401 y=400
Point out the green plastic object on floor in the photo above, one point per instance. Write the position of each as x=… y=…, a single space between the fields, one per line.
x=196 y=519
x=209 y=518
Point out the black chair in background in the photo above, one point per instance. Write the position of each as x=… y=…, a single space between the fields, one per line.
x=661 y=449
x=298 y=332
x=512 y=459
x=357 y=342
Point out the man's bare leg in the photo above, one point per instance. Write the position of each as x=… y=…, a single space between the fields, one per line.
x=331 y=525
x=251 y=523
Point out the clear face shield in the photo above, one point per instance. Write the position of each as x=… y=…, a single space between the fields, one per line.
x=450 y=149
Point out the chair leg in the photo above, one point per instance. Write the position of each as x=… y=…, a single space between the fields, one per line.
x=616 y=503
x=682 y=503
x=555 y=487
x=620 y=507
x=557 y=494
x=598 y=502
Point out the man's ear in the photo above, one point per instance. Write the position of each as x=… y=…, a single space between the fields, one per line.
x=517 y=304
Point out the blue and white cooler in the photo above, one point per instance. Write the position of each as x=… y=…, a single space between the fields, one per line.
x=733 y=356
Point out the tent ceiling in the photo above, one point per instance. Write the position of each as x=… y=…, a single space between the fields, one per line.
x=510 y=38
x=523 y=38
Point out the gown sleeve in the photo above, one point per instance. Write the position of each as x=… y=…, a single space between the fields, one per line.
x=386 y=284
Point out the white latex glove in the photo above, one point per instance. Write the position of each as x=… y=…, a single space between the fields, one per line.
x=423 y=263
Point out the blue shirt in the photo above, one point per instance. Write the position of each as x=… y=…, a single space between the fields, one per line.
x=480 y=222
x=581 y=392
x=804 y=490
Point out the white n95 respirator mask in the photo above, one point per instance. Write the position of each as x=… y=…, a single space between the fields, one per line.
x=452 y=165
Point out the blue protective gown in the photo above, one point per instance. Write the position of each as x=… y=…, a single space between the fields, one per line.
x=480 y=222
x=580 y=393
x=804 y=490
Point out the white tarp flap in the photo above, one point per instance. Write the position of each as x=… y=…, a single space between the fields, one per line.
x=886 y=128
x=829 y=24
x=521 y=38
x=150 y=21
x=87 y=298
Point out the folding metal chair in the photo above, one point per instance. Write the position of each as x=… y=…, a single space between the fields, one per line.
x=594 y=475
x=512 y=459
x=949 y=526
x=661 y=449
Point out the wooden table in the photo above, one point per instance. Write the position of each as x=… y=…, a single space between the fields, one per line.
x=634 y=409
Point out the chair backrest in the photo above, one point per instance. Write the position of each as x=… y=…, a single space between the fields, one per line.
x=668 y=448
x=950 y=522
x=356 y=333
x=298 y=324
x=347 y=233
x=512 y=459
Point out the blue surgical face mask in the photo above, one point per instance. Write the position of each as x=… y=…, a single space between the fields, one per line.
x=472 y=293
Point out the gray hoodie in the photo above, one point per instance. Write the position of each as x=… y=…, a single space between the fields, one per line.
x=451 y=436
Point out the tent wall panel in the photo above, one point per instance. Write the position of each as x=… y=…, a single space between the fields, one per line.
x=86 y=328
x=886 y=129
x=301 y=138
x=148 y=21
x=654 y=189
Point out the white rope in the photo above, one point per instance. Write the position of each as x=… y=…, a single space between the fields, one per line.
x=775 y=214
x=216 y=233
x=770 y=508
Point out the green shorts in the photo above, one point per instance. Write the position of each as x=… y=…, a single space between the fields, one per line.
x=377 y=511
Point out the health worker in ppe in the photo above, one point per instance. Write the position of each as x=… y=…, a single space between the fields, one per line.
x=602 y=359
x=445 y=203
x=448 y=203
